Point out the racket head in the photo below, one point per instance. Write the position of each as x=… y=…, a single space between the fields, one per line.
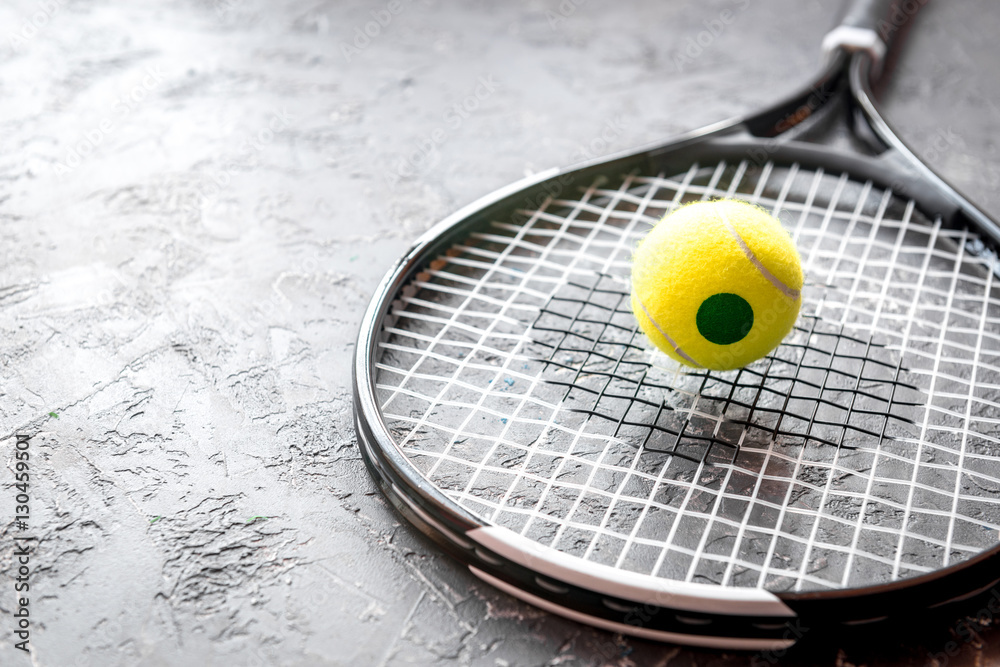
x=742 y=479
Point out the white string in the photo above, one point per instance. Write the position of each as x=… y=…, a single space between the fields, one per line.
x=547 y=488
x=841 y=256
x=924 y=427
x=970 y=400
x=577 y=486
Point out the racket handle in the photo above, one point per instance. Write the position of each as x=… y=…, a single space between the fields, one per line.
x=869 y=25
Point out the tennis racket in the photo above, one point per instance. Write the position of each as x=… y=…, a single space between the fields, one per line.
x=508 y=406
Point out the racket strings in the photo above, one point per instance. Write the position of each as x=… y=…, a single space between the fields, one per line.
x=702 y=437
x=619 y=365
x=865 y=449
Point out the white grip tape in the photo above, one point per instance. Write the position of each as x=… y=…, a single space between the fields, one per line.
x=851 y=38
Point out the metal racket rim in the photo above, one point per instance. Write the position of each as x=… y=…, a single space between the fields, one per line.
x=691 y=613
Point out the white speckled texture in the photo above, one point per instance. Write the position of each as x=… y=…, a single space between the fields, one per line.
x=196 y=202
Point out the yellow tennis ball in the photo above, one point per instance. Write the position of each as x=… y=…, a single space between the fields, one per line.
x=717 y=284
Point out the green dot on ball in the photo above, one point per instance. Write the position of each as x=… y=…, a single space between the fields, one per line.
x=724 y=319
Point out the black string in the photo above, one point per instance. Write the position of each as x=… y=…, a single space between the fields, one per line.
x=833 y=345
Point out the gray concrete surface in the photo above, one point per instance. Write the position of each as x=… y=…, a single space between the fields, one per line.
x=196 y=202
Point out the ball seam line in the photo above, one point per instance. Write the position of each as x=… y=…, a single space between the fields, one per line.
x=792 y=294
x=663 y=333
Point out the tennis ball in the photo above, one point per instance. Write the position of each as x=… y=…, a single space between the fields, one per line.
x=717 y=284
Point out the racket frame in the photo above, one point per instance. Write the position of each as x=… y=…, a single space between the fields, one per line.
x=642 y=605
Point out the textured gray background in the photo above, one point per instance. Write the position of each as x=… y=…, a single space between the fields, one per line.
x=197 y=200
